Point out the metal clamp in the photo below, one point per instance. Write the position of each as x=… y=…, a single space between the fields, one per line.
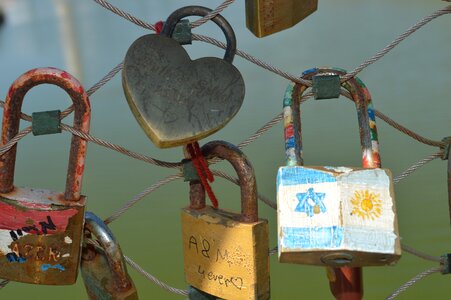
x=182 y=33
x=445 y=262
x=46 y=122
x=326 y=86
x=189 y=171
x=446 y=147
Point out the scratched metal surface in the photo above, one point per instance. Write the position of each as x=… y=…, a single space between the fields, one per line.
x=411 y=85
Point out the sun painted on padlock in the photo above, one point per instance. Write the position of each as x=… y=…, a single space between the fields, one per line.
x=311 y=203
x=367 y=205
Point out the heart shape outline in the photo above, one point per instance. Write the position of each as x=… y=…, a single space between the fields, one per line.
x=177 y=100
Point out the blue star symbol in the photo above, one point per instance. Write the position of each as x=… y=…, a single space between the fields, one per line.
x=312 y=207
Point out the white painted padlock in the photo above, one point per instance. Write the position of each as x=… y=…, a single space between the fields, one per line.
x=336 y=216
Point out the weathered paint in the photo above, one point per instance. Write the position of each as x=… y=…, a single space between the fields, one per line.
x=344 y=222
x=40 y=230
x=227 y=254
x=347 y=283
x=265 y=17
x=33 y=236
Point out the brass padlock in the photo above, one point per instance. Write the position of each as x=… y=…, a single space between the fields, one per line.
x=265 y=17
x=336 y=216
x=40 y=230
x=102 y=265
x=226 y=254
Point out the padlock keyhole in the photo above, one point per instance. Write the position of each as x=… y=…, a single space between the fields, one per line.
x=337 y=259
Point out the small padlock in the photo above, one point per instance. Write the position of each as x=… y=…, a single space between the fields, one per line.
x=40 y=230
x=102 y=265
x=336 y=216
x=226 y=254
x=265 y=17
x=176 y=100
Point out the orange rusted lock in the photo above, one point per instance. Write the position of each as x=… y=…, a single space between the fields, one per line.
x=227 y=254
x=41 y=230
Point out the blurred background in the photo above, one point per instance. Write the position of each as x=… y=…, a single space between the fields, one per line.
x=411 y=85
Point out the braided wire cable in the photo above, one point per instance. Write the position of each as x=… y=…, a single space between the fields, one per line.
x=95 y=87
x=6 y=147
x=3 y=283
x=398 y=126
x=412 y=281
x=212 y=14
x=154 y=279
x=120 y=149
x=140 y=196
x=263 y=198
x=271 y=123
x=206 y=39
x=274 y=121
x=125 y=15
x=257 y=61
x=23 y=116
x=407 y=131
x=420 y=254
x=274 y=69
x=416 y=166
x=396 y=42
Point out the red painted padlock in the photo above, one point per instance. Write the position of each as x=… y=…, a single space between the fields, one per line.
x=41 y=230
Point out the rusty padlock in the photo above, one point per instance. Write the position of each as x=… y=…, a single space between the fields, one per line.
x=40 y=230
x=265 y=17
x=226 y=254
x=102 y=265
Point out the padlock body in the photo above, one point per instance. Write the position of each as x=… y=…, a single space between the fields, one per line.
x=224 y=257
x=337 y=216
x=98 y=277
x=265 y=17
x=40 y=236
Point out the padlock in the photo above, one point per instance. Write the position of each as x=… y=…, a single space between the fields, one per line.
x=265 y=17
x=226 y=254
x=102 y=265
x=176 y=100
x=40 y=230
x=335 y=216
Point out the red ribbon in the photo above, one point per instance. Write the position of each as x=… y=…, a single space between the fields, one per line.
x=158 y=27
x=202 y=170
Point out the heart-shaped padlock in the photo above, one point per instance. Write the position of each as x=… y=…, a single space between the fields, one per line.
x=177 y=100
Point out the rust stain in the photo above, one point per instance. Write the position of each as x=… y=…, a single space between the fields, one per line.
x=11 y=120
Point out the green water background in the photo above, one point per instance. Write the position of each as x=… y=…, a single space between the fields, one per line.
x=411 y=85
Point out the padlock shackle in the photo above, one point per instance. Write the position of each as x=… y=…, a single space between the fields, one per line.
x=11 y=120
x=176 y=16
x=112 y=250
x=365 y=114
x=245 y=172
